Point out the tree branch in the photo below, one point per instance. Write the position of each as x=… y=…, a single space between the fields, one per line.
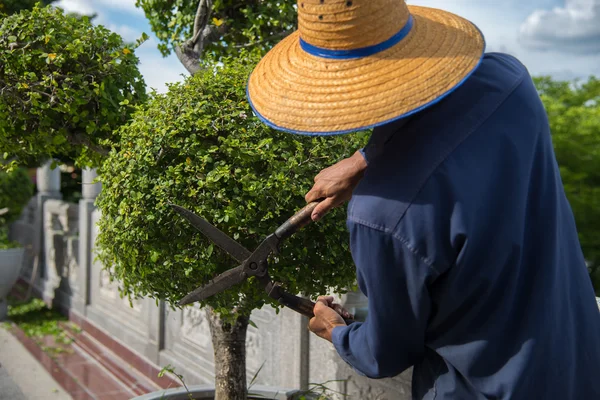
x=78 y=139
x=189 y=58
x=190 y=52
x=201 y=23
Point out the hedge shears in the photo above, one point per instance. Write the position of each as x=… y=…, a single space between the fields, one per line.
x=252 y=263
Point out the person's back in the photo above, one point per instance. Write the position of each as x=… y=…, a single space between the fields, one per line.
x=471 y=189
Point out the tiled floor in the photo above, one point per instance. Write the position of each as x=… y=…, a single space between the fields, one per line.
x=84 y=375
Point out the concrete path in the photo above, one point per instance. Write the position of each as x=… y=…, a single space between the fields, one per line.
x=21 y=376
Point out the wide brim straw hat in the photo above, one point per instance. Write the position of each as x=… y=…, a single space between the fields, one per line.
x=354 y=65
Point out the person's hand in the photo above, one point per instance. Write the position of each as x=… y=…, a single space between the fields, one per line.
x=335 y=184
x=328 y=315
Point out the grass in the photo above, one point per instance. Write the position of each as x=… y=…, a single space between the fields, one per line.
x=38 y=321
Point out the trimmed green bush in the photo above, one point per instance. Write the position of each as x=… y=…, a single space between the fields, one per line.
x=200 y=146
x=66 y=86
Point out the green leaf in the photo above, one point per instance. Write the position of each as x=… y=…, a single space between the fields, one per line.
x=58 y=140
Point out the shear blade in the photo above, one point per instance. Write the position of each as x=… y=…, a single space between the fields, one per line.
x=233 y=248
x=222 y=282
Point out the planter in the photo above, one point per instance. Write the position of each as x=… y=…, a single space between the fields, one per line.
x=207 y=392
x=11 y=261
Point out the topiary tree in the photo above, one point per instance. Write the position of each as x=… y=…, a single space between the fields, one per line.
x=199 y=146
x=66 y=86
x=218 y=27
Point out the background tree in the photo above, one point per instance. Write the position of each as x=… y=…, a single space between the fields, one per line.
x=574 y=113
x=219 y=27
x=200 y=147
x=14 y=6
x=66 y=86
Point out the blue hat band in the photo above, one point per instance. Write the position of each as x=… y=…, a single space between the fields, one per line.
x=361 y=52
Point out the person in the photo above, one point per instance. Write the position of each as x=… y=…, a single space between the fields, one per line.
x=464 y=242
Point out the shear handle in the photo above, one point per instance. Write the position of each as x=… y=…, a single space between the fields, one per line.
x=301 y=305
x=296 y=222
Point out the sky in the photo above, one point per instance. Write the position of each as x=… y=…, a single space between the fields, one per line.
x=560 y=38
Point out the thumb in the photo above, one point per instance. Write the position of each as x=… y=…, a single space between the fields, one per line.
x=323 y=208
x=320 y=305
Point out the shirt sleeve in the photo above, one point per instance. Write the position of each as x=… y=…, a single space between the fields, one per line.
x=393 y=277
x=379 y=138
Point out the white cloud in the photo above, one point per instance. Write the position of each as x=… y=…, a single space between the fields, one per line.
x=128 y=33
x=159 y=71
x=574 y=28
x=88 y=7
x=122 y=5
x=76 y=6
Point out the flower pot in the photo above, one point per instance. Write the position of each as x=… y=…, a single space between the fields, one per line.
x=11 y=261
x=207 y=392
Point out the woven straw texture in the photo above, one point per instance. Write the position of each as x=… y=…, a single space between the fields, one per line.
x=299 y=92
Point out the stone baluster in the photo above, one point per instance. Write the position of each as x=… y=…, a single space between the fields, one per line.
x=48 y=187
x=89 y=191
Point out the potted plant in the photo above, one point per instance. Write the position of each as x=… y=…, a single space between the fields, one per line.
x=16 y=189
x=199 y=146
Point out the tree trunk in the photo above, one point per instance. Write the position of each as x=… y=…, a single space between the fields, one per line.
x=229 y=344
x=188 y=58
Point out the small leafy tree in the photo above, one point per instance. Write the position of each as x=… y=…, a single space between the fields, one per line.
x=199 y=146
x=219 y=27
x=66 y=86
x=574 y=114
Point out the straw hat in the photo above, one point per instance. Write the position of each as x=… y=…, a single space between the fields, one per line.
x=357 y=64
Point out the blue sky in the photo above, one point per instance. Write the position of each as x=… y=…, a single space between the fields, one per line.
x=551 y=37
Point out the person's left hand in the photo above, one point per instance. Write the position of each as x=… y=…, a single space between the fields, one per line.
x=327 y=316
x=335 y=184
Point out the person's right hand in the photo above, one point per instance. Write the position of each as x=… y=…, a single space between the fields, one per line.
x=328 y=315
x=335 y=184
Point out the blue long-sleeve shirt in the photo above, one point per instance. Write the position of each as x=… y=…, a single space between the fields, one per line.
x=466 y=247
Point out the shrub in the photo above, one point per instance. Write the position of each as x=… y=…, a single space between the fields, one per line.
x=200 y=146
x=66 y=85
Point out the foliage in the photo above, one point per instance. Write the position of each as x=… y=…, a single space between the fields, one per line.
x=14 y=6
x=574 y=114
x=199 y=146
x=235 y=23
x=66 y=86
x=16 y=188
x=37 y=321
x=169 y=368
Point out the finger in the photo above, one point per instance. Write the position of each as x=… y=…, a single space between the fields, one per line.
x=328 y=300
x=320 y=307
x=313 y=194
x=341 y=310
x=320 y=302
x=323 y=208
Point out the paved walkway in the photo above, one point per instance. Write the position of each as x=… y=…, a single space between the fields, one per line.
x=21 y=376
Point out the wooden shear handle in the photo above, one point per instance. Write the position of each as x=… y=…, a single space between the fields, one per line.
x=296 y=222
x=302 y=305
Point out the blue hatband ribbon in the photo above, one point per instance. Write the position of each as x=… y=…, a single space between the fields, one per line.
x=361 y=52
